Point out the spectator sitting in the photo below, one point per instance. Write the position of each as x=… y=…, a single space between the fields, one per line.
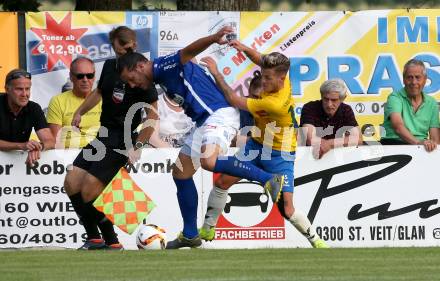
x=62 y=106
x=173 y=126
x=329 y=123
x=410 y=115
x=19 y=116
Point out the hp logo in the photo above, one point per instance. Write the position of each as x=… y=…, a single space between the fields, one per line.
x=143 y=21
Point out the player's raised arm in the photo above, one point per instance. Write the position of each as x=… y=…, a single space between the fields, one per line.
x=253 y=54
x=233 y=99
x=198 y=46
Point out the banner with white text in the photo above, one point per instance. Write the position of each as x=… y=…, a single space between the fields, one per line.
x=54 y=39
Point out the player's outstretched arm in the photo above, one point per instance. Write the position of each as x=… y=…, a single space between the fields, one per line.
x=198 y=46
x=254 y=55
x=148 y=127
x=231 y=97
x=90 y=102
x=150 y=124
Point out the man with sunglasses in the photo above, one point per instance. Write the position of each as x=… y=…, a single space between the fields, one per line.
x=19 y=115
x=63 y=106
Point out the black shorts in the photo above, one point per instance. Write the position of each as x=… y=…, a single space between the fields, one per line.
x=100 y=157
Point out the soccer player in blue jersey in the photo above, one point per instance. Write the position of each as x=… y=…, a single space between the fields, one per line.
x=189 y=85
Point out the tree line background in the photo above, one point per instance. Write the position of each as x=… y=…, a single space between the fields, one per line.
x=206 y=5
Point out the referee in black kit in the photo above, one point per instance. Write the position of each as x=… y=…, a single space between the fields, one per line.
x=101 y=159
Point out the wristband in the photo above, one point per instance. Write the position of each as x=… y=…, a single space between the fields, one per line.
x=139 y=145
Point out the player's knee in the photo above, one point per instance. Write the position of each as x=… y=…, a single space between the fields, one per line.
x=174 y=171
x=92 y=188
x=280 y=205
x=91 y=193
x=221 y=183
x=208 y=163
x=285 y=210
x=68 y=187
x=177 y=172
x=71 y=184
x=288 y=212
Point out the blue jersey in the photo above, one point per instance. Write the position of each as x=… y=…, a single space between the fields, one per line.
x=188 y=85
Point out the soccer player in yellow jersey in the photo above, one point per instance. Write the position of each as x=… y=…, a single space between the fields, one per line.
x=62 y=106
x=273 y=137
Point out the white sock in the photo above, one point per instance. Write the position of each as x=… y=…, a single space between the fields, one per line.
x=301 y=222
x=216 y=203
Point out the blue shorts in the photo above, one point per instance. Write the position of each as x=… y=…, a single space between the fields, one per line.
x=271 y=161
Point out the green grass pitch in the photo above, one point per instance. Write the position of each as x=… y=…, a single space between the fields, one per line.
x=223 y=265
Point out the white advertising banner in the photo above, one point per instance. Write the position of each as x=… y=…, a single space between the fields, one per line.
x=35 y=211
x=178 y=29
x=372 y=196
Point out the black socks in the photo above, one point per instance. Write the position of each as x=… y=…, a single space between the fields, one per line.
x=105 y=225
x=92 y=219
x=88 y=223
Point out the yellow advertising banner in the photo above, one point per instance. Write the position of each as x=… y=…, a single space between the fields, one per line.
x=9 y=45
x=366 y=49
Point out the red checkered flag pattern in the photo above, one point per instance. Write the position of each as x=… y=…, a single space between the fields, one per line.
x=124 y=202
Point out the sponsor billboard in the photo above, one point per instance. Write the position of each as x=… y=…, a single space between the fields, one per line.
x=9 y=45
x=371 y=196
x=54 y=39
x=366 y=49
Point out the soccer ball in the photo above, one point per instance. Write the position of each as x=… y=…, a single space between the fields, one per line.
x=151 y=237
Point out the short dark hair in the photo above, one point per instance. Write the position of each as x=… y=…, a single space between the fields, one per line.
x=129 y=61
x=123 y=34
x=277 y=61
x=15 y=74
